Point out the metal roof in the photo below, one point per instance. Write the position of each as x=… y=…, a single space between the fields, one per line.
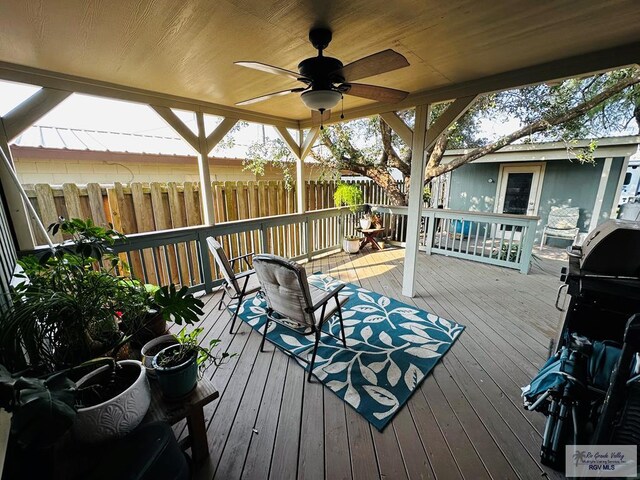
x=40 y=136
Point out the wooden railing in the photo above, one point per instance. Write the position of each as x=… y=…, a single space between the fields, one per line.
x=498 y=239
x=181 y=255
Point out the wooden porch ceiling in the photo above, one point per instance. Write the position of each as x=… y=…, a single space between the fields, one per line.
x=181 y=53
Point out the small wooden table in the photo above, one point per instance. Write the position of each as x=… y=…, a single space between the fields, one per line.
x=370 y=237
x=190 y=408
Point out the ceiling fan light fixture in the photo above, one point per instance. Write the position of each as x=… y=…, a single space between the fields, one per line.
x=321 y=99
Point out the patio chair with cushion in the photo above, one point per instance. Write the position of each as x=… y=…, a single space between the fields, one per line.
x=231 y=283
x=562 y=223
x=294 y=304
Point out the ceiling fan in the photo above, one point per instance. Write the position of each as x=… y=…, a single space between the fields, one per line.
x=326 y=79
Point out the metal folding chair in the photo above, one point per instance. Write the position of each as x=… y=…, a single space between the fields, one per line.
x=289 y=296
x=231 y=283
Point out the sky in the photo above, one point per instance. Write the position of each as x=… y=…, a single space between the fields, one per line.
x=95 y=113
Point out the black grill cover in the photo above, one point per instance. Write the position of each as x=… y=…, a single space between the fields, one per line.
x=612 y=249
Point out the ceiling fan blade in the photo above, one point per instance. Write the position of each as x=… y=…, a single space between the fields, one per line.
x=381 y=62
x=263 y=67
x=373 y=92
x=318 y=119
x=270 y=95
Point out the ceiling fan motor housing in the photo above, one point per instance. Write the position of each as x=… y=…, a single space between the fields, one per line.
x=323 y=72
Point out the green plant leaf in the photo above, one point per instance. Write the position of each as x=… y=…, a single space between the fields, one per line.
x=45 y=410
x=178 y=306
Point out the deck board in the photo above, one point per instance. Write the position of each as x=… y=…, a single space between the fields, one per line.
x=465 y=420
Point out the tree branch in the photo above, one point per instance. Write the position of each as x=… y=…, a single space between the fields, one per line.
x=537 y=126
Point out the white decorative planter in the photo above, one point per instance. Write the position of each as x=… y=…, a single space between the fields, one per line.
x=365 y=223
x=116 y=417
x=351 y=246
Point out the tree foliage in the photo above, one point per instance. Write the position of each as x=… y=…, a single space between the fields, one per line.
x=606 y=104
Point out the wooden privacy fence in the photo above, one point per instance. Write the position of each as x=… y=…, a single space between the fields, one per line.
x=143 y=207
x=146 y=207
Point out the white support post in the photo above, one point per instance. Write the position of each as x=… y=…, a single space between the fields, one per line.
x=203 y=145
x=306 y=143
x=15 y=206
x=454 y=111
x=31 y=110
x=415 y=200
x=17 y=200
x=300 y=150
x=398 y=126
x=205 y=177
x=602 y=187
x=11 y=126
x=301 y=191
x=618 y=190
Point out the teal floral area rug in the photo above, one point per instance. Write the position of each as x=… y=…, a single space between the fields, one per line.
x=391 y=348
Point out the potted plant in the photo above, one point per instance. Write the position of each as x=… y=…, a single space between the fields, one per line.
x=351 y=196
x=112 y=400
x=179 y=366
x=42 y=411
x=152 y=348
x=63 y=311
x=365 y=221
x=146 y=311
x=376 y=220
x=351 y=244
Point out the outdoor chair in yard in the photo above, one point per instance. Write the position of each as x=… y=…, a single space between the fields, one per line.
x=231 y=283
x=562 y=223
x=295 y=304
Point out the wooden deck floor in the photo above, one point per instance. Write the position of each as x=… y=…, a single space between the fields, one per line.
x=465 y=421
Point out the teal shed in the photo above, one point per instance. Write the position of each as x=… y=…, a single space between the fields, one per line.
x=531 y=178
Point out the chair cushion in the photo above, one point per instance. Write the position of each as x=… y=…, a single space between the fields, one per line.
x=561 y=233
x=285 y=286
x=331 y=306
x=563 y=218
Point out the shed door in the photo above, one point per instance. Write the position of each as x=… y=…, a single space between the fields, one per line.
x=519 y=188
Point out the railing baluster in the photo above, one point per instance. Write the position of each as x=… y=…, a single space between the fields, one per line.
x=503 y=228
x=203 y=260
x=145 y=275
x=513 y=229
x=475 y=245
x=484 y=239
x=447 y=233
x=179 y=268
x=156 y=268
x=190 y=265
x=264 y=236
x=130 y=263
x=166 y=257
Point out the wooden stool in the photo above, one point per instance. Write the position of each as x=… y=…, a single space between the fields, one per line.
x=370 y=237
x=190 y=408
